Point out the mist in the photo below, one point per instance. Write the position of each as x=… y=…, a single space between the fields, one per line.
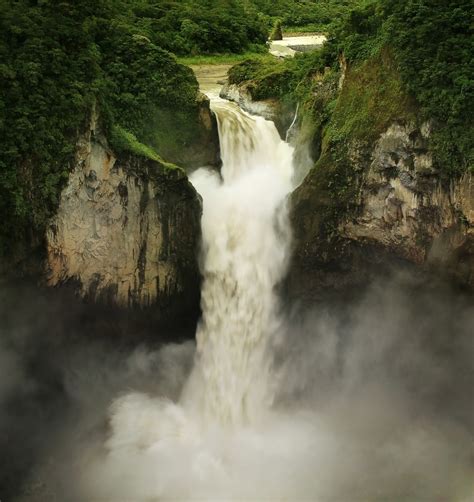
x=372 y=400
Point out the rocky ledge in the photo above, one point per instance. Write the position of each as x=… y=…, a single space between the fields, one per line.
x=269 y=109
x=126 y=231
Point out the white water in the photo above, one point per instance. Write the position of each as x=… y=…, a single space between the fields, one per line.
x=245 y=250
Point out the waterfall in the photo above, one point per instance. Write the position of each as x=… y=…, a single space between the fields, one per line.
x=245 y=249
x=293 y=122
x=206 y=443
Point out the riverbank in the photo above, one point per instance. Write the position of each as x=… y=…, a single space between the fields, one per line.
x=211 y=77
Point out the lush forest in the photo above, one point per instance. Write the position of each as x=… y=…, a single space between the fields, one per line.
x=58 y=58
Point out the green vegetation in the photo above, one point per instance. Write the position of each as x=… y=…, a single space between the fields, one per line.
x=57 y=60
x=221 y=59
x=277 y=33
x=402 y=57
x=292 y=79
x=373 y=96
x=292 y=31
x=191 y=27
x=432 y=44
x=48 y=72
x=316 y=15
x=144 y=82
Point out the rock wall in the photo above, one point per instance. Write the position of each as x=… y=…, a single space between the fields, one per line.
x=404 y=205
x=402 y=211
x=205 y=151
x=268 y=109
x=126 y=231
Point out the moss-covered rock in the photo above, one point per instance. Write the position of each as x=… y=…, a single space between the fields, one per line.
x=188 y=138
x=375 y=195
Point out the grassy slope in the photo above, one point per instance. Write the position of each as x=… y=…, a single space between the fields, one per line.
x=373 y=97
x=126 y=142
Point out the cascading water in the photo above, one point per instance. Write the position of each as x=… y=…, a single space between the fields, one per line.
x=244 y=255
x=245 y=247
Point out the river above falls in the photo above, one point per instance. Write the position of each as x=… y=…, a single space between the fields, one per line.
x=211 y=77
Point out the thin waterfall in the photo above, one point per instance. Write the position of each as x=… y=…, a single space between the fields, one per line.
x=288 y=132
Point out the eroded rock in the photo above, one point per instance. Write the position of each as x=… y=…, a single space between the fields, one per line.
x=404 y=203
x=126 y=230
x=401 y=211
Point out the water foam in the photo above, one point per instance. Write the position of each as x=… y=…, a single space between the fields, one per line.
x=245 y=248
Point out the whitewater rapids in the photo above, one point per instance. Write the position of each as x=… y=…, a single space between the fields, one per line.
x=245 y=252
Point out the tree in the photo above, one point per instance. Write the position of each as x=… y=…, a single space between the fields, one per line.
x=277 y=33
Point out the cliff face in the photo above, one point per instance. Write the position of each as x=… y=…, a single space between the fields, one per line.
x=376 y=195
x=126 y=231
x=405 y=206
x=398 y=211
